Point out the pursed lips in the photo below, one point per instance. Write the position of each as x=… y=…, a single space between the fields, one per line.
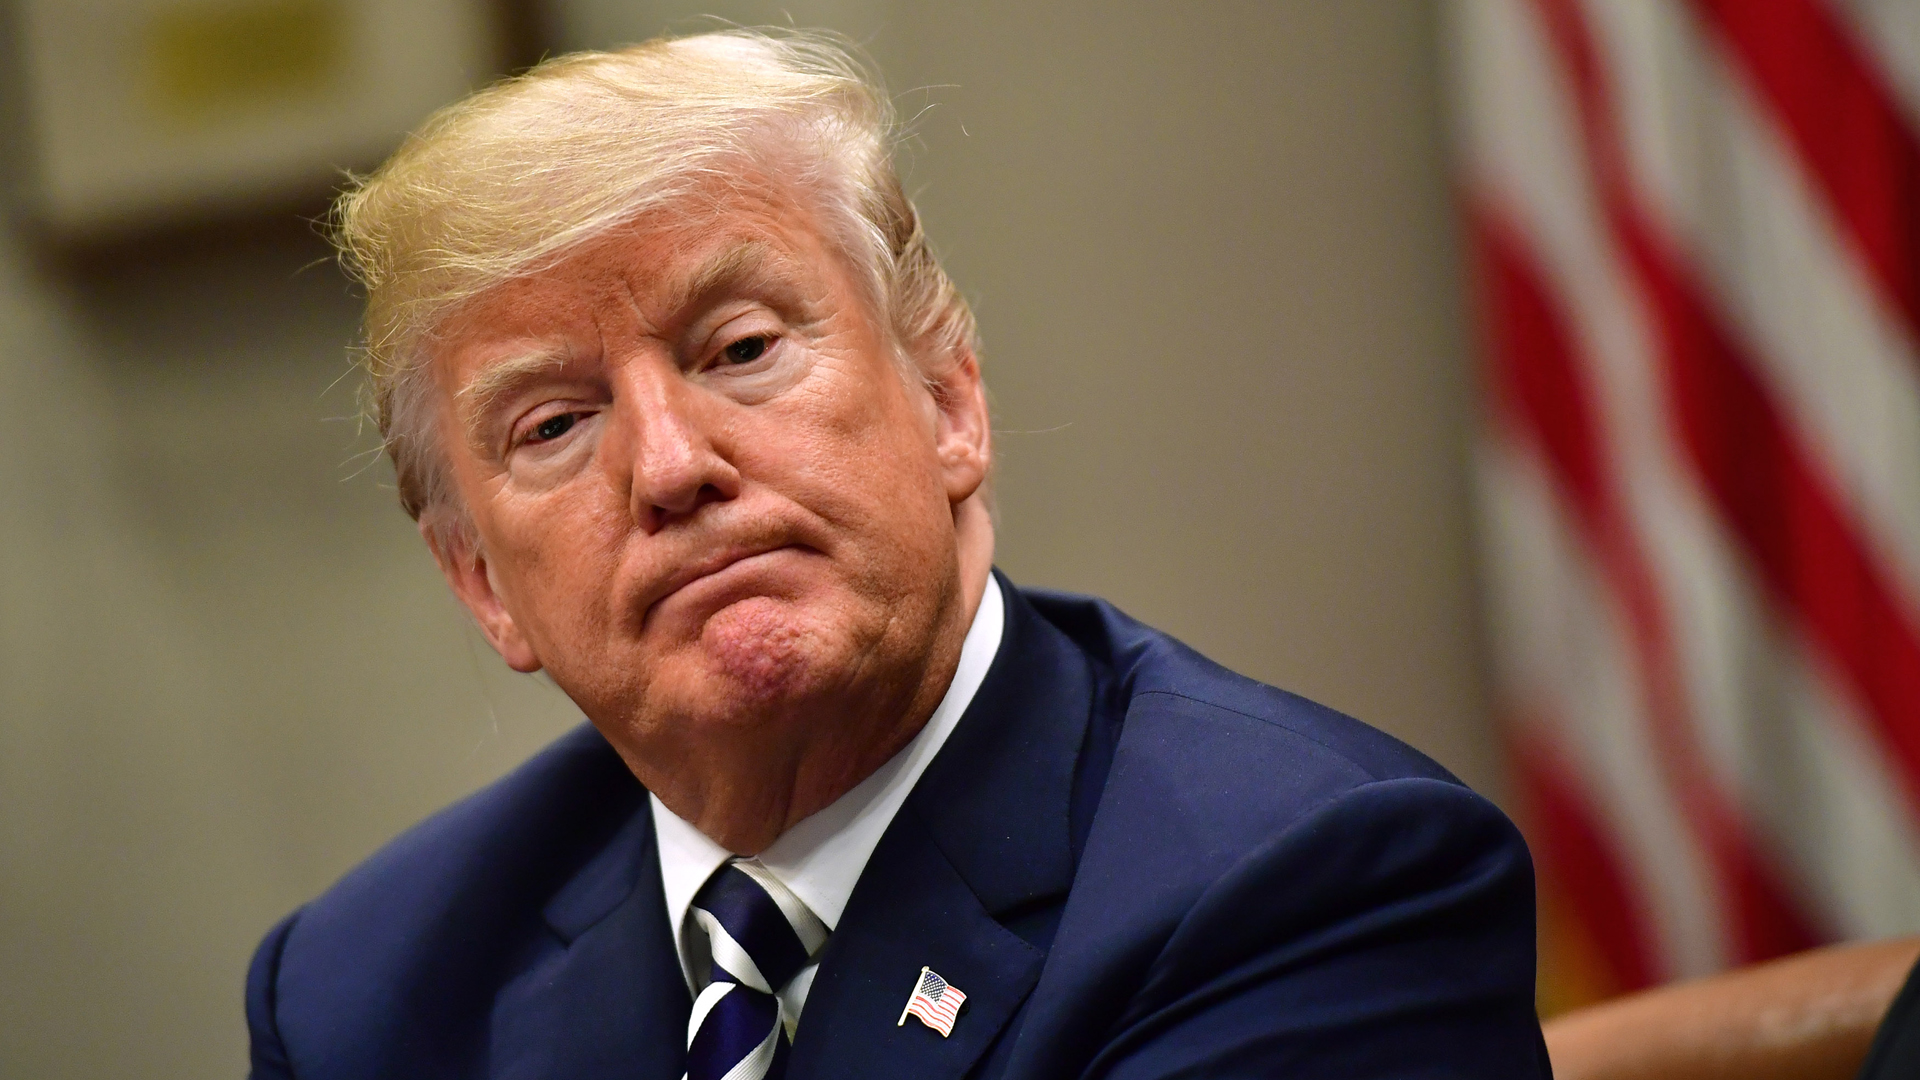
x=692 y=572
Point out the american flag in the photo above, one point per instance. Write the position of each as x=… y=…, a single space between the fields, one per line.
x=934 y=1002
x=1695 y=228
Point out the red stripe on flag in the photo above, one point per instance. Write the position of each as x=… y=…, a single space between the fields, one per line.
x=1833 y=103
x=1810 y=554
x=1539 y=387
x=1790 y=523
x=1579 y=864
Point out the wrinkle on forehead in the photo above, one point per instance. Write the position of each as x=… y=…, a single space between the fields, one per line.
x=734 y=268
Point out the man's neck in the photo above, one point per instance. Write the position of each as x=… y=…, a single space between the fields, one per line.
x=821 y=858
x=746 y=809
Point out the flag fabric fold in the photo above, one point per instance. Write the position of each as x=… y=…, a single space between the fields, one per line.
x=1694 y=233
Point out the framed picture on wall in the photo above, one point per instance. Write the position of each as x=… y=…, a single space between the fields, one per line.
x=151 y=112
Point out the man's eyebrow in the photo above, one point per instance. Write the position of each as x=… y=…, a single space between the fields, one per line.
x=729 y=270
x=498 y=380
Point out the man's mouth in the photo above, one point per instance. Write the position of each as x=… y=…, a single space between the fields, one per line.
x=696 y=574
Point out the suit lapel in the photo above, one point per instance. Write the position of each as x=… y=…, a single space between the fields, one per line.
x=606 y=999
x=983 y=839
x=851 y=1024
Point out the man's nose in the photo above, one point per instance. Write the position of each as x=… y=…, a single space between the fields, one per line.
x=663 y=448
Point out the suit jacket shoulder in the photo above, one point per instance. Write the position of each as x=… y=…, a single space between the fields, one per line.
x=401 y=967
x=1148 y=664
x=1271 y=886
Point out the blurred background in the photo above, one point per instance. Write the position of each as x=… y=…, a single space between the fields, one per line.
x=1533 y=379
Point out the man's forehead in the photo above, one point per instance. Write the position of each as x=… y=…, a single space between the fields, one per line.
x=660 y=286
x=734 y=264
x=665 y=270
x=683 y=250
x=656 y=268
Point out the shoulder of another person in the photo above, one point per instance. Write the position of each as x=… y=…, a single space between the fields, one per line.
x=1896 y=1044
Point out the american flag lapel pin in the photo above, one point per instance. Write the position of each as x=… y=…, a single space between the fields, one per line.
x=934 y=1001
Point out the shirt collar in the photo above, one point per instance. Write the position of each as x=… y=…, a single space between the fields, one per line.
x=821 y=857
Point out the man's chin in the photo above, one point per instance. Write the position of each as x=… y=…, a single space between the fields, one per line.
x=763 y=652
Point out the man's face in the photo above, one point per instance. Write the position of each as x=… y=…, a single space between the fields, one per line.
x=708 y=501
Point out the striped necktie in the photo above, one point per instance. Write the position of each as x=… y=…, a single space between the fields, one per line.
x=760 y=936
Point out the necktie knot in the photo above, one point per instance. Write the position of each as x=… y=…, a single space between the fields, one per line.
x=757 y=940
x=759 y=936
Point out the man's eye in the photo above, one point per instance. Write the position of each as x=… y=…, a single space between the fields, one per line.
x=746 y=350
x=554 y=426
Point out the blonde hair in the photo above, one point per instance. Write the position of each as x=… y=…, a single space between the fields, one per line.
x=514 y=177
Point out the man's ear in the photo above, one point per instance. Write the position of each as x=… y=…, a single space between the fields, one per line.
x=962 y=435
x=467 y=573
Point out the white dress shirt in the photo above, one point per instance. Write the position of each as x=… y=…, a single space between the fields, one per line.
x=821 y=857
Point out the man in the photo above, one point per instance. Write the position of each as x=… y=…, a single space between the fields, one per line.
x=692 y=420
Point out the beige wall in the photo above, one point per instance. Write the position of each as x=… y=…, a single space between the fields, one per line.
x=1210 y=248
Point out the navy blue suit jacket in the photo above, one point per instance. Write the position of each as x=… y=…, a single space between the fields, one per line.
x=1134 y=862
